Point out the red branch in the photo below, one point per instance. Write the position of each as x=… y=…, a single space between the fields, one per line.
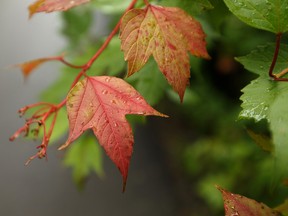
x=46 y=110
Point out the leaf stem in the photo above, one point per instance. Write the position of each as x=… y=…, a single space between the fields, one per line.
x=276 y=77
x=61 y=59
x=282 y=73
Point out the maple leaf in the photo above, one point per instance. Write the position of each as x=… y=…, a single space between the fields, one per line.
x=101 y=103
x=53 y=5
x=168 y=34
x=235 y=204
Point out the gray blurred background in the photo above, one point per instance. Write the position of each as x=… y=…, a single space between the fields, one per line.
x=46 y=187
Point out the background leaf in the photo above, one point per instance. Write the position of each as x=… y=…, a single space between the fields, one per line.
x=149 y=82
x=53 y=5
x=193 y=7
x=270 y=15
x=84 y=157
x=235 y=204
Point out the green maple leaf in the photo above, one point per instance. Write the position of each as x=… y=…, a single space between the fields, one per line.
x=270 y=15
x=266 y=99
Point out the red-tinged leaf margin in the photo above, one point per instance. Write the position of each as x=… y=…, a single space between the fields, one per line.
x=101 y=104
x=238 y=205
x=167 y=33
x=53 y=5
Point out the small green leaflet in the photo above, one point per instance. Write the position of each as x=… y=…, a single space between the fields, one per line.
x=270 y=15
x=267 y=99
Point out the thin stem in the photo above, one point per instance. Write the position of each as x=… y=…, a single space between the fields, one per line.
x=275 y=57
x=282 y=73
x=52 y=124
x=61 y=59
x=109 y=38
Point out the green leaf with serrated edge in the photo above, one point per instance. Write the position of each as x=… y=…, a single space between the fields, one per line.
x=260 y=93
x=193 y=7
x=268 y=99
x=149 y=82
x=270 y=15
x=256 y=99
x=84 y=157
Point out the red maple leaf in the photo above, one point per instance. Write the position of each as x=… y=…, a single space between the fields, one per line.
x=235 y=204
x=101 y=103
x=53 y=5
x=166 y=33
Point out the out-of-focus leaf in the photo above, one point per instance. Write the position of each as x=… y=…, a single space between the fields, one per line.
x=84 y=157
x=238 y=205
x=149 y=82
x=283 y=208
x=53 y=5
x=193 y=7
x=262 y=140
x=77 y=25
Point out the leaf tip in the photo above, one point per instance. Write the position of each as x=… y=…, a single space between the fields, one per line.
x=124 y=185
x=34 y=7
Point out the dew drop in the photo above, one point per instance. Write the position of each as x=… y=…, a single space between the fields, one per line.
x=107 y=79
x=115 y=124
x=104 y=92
x=72 y=2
